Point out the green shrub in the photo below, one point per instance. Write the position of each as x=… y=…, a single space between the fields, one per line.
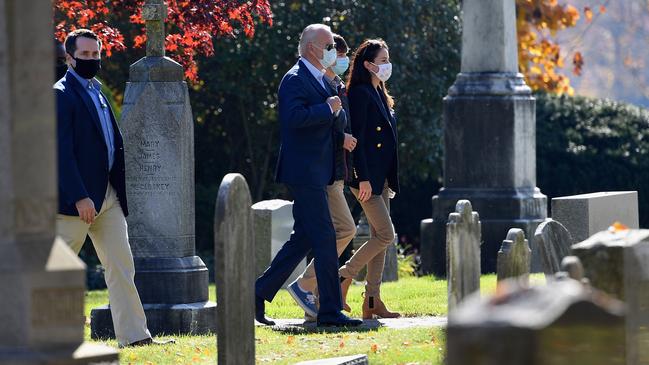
x=588 y=145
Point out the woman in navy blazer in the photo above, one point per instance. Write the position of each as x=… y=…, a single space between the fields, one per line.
x=376 y=167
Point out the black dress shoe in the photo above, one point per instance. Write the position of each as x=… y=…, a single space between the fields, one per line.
x=337 y=320
x=150 y=341
x=260 y=308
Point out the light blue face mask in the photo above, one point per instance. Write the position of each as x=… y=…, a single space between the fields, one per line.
x=342 y=64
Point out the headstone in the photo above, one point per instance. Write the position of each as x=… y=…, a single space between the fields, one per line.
x=562 y=323
x=273 y=226
x=432 y=257
x=616 y=262
x=391 y=264
x=159 y=150
x=514 y=257
x=345 y=360
x=463 y=253
x=235 y=275
x=586 y=214
x=552 y=243
x=42 y=282
x=572 y=265
x=490 y=132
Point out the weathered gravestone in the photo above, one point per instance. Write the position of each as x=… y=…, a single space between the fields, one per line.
x=463 y=253
x=159 y=151
x=552 y=242
x=617 y=263
x=273 y=226
x=514 y=257
x=490 y=132
x=586 y=214
x=432 y=253
x=391 y=264
x=562 y=323
x=573 y=267
x=42 y=282
x=234 y=264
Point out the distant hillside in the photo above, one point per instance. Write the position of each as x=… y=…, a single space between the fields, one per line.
x=615 y=46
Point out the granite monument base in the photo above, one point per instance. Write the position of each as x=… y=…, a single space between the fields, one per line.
x=162 y=319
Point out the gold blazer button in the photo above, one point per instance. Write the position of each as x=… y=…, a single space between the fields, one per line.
x=378 y=129
x=378 y=145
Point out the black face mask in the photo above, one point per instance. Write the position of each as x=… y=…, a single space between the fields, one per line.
x=61 y=69
x=87 y=68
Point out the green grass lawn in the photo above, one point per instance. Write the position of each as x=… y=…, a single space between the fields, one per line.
x=411 y=296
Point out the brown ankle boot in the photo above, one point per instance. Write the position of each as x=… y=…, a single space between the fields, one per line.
x=344 y=288
x=373 y=306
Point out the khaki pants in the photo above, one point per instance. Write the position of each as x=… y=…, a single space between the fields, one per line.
x=372 y=252
x=343 y=225
x=110 y=237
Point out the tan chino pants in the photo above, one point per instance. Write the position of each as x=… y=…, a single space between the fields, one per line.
x=109 y=235
x=372 y=252
x=343 y=225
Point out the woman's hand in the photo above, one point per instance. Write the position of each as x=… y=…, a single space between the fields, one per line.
x=364 y=191
x=350 y=142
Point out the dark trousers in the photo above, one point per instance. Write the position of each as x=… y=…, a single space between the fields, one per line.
x=312 y=230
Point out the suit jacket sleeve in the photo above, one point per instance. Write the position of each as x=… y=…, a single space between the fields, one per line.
x=358 y=104
x=70 y=184
x=339 y=135
x=294 y=109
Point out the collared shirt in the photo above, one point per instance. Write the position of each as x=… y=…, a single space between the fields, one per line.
x=93 y=88
x=319 y=75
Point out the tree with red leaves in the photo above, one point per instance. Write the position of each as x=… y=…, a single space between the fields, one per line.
x=191 y=24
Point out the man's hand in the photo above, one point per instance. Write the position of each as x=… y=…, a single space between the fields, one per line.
x=335 y=103
x=86 y=210
x=364 y=191
x=350 y=142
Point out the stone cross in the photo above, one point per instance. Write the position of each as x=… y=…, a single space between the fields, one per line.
x=489 y=36
x=234 y=266
x=514 y=257
x=154 y=14
x=463 y=239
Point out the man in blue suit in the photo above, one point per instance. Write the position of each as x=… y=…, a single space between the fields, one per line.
x=307 y=109
x=92 y=187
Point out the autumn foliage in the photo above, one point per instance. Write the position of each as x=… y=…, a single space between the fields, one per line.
x=191 y=24
x=540 y=57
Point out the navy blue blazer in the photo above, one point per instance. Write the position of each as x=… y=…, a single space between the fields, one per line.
x=82 y=151
x=375 y=128
x=306 y=153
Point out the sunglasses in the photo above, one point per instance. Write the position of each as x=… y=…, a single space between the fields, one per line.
x=328 y=47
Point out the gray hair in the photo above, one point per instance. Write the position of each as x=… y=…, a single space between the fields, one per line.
x=309 y=34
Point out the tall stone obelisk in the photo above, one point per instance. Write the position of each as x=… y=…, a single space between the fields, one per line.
x=158 y=131
x=490 y=133
x=42 y=282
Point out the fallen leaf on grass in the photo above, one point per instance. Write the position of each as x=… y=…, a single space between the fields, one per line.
x=374 y=348
x=342 y=344
x=290 y=340
x=406 y=343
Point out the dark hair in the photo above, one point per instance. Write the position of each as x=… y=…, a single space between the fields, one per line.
x=341 y=44
x=71 y=39
x=358 y=74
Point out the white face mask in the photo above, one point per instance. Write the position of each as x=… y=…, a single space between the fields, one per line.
x=328 y=57
x=384 y=72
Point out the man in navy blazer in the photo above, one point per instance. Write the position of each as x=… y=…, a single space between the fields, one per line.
x=307 y=110
x=92 y=188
